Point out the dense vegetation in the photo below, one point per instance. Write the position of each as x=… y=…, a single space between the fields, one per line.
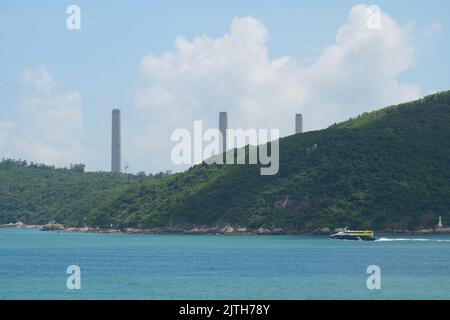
x=388 y=169
x=37 y=194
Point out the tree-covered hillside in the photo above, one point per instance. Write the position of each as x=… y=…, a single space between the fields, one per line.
x=37 y=194
x=388 y=169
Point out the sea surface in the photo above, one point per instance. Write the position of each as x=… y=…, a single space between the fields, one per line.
x=33 y=265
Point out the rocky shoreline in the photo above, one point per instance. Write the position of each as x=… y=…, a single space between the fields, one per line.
x=163 y=230
x=230 y=230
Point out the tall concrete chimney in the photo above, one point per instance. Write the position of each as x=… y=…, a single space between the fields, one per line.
x=223 y=126
x=116 y=143
x=298 y=123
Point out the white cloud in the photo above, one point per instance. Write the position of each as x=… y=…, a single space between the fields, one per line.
x=357 y=72
x=234 y=73
x=5 y=132
x=433 y=29
x=50 y=122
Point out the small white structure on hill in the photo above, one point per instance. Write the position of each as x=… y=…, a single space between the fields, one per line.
x=439 y=225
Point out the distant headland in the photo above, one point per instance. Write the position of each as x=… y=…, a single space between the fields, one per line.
x=386 y=170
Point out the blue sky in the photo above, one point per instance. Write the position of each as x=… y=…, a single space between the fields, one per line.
x=102 y=63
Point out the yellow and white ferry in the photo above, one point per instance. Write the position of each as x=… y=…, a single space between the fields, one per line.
x=354 y=235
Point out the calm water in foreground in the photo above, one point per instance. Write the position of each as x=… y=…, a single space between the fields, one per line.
x=118 y=266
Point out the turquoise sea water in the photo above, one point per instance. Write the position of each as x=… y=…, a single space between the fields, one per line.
x=119 y=266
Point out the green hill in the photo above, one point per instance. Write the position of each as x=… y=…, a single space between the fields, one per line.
x=37 y=194
x=388 y=169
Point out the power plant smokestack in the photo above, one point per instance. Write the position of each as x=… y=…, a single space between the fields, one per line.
x=298 y=123
x=116 y=143
x=223 y=126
